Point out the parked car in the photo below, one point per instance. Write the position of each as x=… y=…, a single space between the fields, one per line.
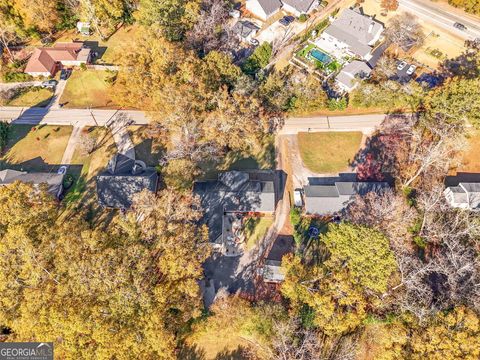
x=411 y=69
x=286 y=20
x=254 y=42
x=49 y=84
x=234 y=14
x=401 y=65
x=460 y=26
x=65 y=74
x=297 y=198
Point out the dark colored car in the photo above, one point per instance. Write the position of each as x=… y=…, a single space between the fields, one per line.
x=286 y=20
x=459 y=26
x=65 y=74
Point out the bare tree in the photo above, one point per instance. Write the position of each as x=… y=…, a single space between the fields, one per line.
x=8 y=36
x=435 y=146
x=294 y=342
x=211 y=31
x=405 y=31
x=385 y=68
x=87 y=143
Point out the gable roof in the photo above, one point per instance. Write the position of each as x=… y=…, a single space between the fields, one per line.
x=244 y=28
x=53 y=181
x=349 y=73
x=269 y=6
x=123 y=179
x=302 y=6
x=328 y=199
x=355 y=30
x=44 y=59
x=466 y=194
x=226 y=194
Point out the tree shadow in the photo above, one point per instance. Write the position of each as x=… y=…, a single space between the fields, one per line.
x=190 y=352
x=96 y=47
x=149 y=153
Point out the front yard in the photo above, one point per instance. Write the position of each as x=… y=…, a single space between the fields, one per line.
x=329 y=152
x=35 y=148
x=31 y=96
x=88 y=89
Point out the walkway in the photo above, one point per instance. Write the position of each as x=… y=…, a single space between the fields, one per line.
x=71 y=145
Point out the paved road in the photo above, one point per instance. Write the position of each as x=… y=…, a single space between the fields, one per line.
x=363 y=123
x=432 y=12
x=74 y=117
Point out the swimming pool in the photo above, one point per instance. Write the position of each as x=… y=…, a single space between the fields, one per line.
x=320 y=56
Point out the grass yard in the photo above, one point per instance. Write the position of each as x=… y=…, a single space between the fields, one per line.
x=109 y=50
x=33 y=96
x=37 y=148
x=328 y=152
x=255 y=229
x=87 y=88
x=470 y=158
x=146 y=148
x=223 y=346
x=261 y=158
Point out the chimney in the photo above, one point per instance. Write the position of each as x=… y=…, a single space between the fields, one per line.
x=370 y=28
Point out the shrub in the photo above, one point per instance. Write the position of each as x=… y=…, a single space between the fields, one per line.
x=83 y=67
x=303 y=17
x=337 y=104
x=13 y=76
x=259 y=59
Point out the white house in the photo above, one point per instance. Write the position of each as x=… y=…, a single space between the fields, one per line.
x=464 y=196
x=351 y=34
x=299 y=7
x=350 y=76
x=263 y=9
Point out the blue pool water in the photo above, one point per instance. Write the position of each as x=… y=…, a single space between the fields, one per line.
x=320 y=56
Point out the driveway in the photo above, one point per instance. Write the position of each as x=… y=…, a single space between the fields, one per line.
x=55 y=102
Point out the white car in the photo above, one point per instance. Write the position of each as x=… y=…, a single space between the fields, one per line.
x=297 y=198
x=401 y=65
x=411 y=69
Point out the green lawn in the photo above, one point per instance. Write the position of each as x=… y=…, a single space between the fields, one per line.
x=87 y=88
x=35 y=148
x=328 y=152
x=33 y=96
x=255 y=229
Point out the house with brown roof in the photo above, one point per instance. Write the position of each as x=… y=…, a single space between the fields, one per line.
x=46 y=61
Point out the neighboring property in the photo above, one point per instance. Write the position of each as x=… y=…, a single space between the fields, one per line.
x=464 y=196
x=350 y=76
x=272 y=270
x=245 y=30
x=46 y=61
x=299 y=7
x=331 y=198
x=263 y=9
x=124 y=178
x=227 y=200
x=352 y=34
x=53 y=181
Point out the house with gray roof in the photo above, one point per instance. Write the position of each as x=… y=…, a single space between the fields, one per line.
x=232 y=195
x=299 y=7
x=263 y=9
x=331 y=198
x=124 y=178
x=352 y=34
x=349 y=77
x=245 y=30
x=464 y=196
x=52 y=181
x=272 y=270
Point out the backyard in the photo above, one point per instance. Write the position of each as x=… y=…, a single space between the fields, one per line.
x=35 y=148
x=329 y=152
x=255 y=229
x=318 y=58
x=88 y=88
x=470 y=158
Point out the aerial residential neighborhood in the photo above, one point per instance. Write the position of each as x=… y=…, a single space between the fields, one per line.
x=253 y=180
